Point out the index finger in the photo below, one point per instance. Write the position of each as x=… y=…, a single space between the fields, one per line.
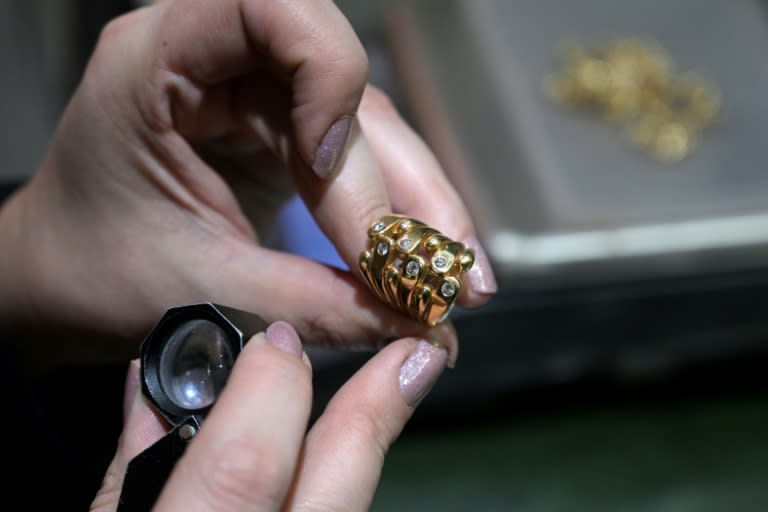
x=388 y=169
x=310 y=42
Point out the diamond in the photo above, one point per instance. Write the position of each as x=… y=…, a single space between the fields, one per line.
x=447 y=290
x=412 y=268
x=382 y=249
x=405 y=243
x=406 y=224
x=440 y=262
x=379 y=226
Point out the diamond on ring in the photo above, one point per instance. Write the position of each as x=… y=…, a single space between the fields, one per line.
x=440 y=263
x=412 y=269
x=405 y=243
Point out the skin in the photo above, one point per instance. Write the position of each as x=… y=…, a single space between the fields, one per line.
x=193 y=122
x=254 y=451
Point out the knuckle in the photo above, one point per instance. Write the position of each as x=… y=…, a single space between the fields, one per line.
x=114 y=30
x=117 y=37
x=349 y=60
x=240 y=475
x=280 y=369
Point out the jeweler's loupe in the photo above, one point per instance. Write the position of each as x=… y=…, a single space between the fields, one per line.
x=185 y=362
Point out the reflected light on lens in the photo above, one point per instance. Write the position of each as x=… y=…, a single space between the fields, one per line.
x=195 y=364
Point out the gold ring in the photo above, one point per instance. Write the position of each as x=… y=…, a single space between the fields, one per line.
x=414 y=268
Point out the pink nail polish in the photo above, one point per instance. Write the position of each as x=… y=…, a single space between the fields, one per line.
x=283 y=336
x=480 y=276
x=420 y=371
x=331 y=149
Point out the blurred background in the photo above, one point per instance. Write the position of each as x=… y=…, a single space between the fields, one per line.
x=612 y=154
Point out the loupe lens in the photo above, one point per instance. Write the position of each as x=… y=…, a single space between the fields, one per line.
x=195 y=364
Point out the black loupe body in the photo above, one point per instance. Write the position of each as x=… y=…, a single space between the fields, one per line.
x=185 y=362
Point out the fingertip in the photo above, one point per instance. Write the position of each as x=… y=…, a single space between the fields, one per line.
x=330 y=152
x=328 y=87
x=421 y=370
x=471 y=299
x=481 y=281
x=345 y=447
x=282 y=335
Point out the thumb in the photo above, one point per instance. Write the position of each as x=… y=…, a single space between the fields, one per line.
x=142 y=428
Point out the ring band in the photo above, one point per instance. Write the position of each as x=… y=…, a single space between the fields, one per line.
x=414 y=268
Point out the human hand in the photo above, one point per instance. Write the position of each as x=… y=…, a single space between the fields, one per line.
x=253 y=451
x=193 y=121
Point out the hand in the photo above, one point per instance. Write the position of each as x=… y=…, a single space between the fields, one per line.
x=253 y=451
x=193 y=121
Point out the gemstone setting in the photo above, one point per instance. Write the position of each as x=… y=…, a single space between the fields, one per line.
x=447 y=290
x=405 y=243
x=378 y=227
x=412 y=269
x=382 y=249
x=440 y=263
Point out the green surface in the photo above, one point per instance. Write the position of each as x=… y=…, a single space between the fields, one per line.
x=701 y=457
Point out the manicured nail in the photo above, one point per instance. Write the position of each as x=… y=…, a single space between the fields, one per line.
x=331 y=149
x=131 y=387
x=283 y=336
x=420 y=371
x=480 y=276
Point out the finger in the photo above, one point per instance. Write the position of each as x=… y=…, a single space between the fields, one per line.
x=143 y=426
x=371 y=184
x=327 y=306
x=345 y=448
x=311 y=44
x=419 y=187
x=347 y=205
x=244 y=456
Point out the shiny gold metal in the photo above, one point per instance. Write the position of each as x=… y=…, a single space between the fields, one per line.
x=633 y=81
x=414 y=268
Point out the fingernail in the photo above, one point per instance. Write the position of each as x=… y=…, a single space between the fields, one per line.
x=420 y=371
x=331 y=149
x=480 y=276
x=131 y=387
x=283 y=336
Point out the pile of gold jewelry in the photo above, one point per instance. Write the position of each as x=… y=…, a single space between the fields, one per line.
x=633 y=82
